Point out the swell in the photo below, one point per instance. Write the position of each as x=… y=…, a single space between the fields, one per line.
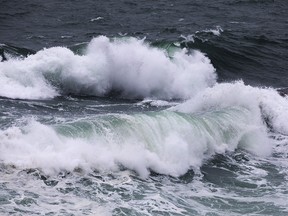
x=256 y=59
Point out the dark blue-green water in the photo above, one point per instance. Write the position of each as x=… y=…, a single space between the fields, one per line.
x=143 y=107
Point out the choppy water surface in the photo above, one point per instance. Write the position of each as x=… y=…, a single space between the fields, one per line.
x=143 y=108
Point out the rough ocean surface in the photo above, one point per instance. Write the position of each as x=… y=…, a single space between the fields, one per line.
x=143 y=107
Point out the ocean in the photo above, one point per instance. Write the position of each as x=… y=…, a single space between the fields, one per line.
x=144 y=107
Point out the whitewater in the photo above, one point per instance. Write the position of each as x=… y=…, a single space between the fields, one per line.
x=119 y=112
x=128 y=66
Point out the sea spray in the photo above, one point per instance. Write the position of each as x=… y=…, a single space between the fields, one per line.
x=129 y=67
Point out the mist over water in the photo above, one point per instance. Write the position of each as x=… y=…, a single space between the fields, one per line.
x=143 y=108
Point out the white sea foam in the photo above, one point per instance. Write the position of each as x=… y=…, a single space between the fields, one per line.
x=96 y=19
x=188 y=38
x=221 y=118
x=265 y=104
x=66 y=36
x=191 y=38
x=165 y=142
x=217 y=31
x=127 y=66
x=157 y=103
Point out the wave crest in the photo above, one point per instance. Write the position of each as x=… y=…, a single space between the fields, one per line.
x=129 y=67
x=166 y=142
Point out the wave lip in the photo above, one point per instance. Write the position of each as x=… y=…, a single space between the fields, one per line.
x=129 y=67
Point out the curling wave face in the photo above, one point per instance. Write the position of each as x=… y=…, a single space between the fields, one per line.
x=165 y=142
x=129 y=67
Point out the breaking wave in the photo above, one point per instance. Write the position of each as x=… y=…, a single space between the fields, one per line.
x=165 y=142
x=128 y=67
